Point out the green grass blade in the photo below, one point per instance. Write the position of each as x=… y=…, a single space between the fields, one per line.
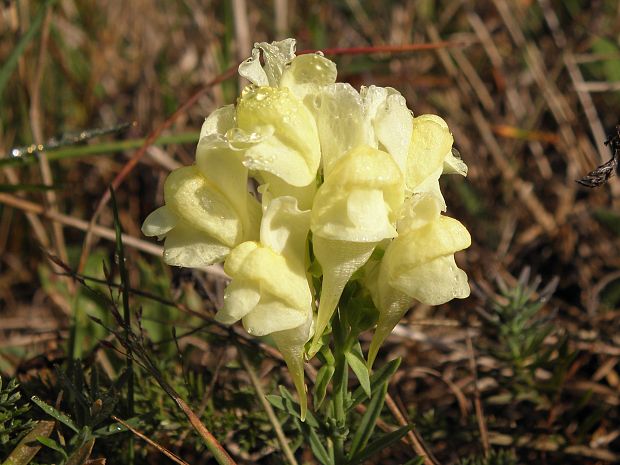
x=377 y=379
x=98 y=149
x=383 y=442
x=51 y=444
x=356 y=361
x=120 y=254
x=369 y=420
x=56 y=414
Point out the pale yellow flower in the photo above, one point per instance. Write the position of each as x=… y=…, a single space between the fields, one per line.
x=208 y=210
x=417 y=265
x=289 y=148
x=269 y=290
x=354 y=209
x=355 y=168
x=430 y=155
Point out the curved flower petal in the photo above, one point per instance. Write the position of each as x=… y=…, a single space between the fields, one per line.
x=418 y=265
x=284 y=230
x=240 y=298
x=275 y=55
x=418 y=211
x=430 y=144
x=253 y=262
x=159 y=222
x=342 y=123
x=307 y=74
x=218 y=122
x=220 y=162
x=291 y=151
x=272 y=315
x=272 y=187
x=391 y=120
x=199 y=221
x=200 y=204
x=269 y=290
x=354 y=209
x=429 y=150
x=442 y=237
x=189 y=247
x=360 y=199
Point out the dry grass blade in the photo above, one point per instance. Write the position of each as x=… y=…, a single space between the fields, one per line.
x=29 y=446
x=415 y=440
x=148 y=440
x=390 y=48
x=99 y=231
x=482 y=424
x=133 y=343
x=288 y=453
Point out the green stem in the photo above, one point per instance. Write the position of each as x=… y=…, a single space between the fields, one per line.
x=339 y=393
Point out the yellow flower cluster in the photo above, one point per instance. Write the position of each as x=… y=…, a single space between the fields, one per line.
x=341 y=173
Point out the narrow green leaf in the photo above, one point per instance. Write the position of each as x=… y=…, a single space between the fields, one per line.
x=292 y=407
x=376 y=380
x=120 y=254
x=52 y=412
x=369 y=420
x=51 y=444
x=323 y=377
x=276 y=401
x=356 y=361
x=318 y=449
x=382 y=443
x=29 y=446
x=308 y=427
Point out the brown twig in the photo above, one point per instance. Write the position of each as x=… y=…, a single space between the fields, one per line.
x=415 y=440
x=286 y=450
x=389 y=48
x=159 y=447
x=100 y=231
x=482 y=425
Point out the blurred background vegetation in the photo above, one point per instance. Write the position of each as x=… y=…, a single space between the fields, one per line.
x=525 y=371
